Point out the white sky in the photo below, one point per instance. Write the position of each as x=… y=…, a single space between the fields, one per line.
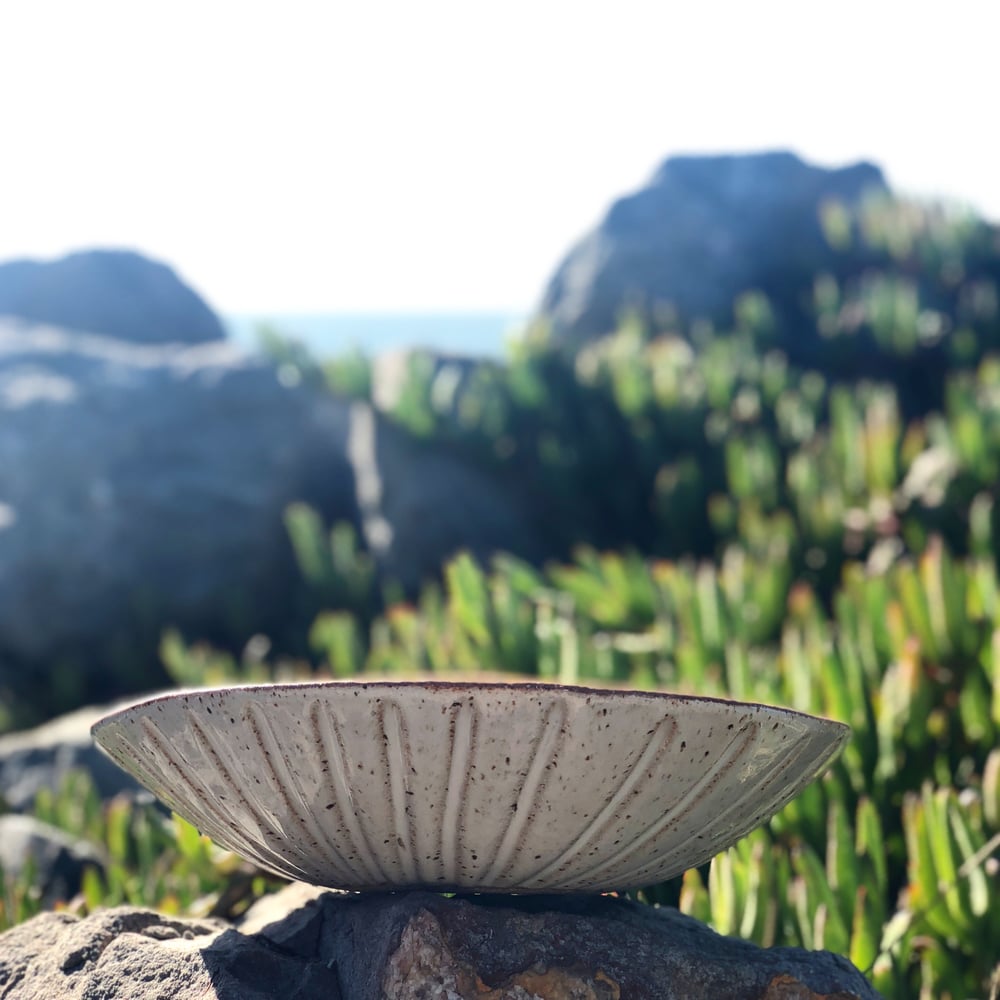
x=430 y=154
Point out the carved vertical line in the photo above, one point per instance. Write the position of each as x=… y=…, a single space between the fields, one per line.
x=464 y=721
x=680 y=810
x=718 y=841
x=547 y=741
x=269 y=830
x=132 y=756
x=396 y=759
x=302 y=812
x=657 y=746
x=215 y=819
x=199 y=809
x=182 y=772
x=327 y=733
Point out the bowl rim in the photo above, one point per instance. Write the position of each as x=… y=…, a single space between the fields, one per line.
x=468 y=687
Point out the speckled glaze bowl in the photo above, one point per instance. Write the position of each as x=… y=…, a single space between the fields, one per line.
x=514 y=788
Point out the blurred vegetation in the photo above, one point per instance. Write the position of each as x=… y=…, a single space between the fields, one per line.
x=801 y=510
x=149 y=859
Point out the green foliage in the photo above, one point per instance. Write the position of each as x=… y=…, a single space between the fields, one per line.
x=891 y=858
x=150 y=859
x=350 y=375
x=338 y=573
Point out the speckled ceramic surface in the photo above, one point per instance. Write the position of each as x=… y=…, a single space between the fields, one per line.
x=487 y=787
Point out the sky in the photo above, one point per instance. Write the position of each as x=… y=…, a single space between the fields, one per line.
x=442 y=156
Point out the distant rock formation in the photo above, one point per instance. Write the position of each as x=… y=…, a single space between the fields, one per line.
x=421 y=504
x=704 y=230
x=143 y=486
x=116 y=293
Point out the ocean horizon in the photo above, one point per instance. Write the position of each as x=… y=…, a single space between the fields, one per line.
x=481 y=334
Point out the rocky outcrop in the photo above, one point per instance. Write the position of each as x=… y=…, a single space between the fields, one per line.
x=146 y=486
x=143 y=486
x=420 y=504
x=408 y=946
x=116 y=293
x=704 y=230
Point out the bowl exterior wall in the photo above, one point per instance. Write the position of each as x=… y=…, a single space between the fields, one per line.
x=505 y=788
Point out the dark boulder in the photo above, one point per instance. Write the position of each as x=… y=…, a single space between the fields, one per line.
x=117 y=293
x=704 y=230
x=143 y=486
x=413 y=945
x=421 y=503
x=57 y=860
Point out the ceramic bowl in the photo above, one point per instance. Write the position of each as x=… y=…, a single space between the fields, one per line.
x=514 y=788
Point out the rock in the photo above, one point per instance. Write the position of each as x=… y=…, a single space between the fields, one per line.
x=414 y=945
x=116 y=953
x=45 y=756
x=291 y=906
x=420 y=505
x=58 y=859
x=563 y=459
x=703 y=231
x=143 y=486
x=112 y=292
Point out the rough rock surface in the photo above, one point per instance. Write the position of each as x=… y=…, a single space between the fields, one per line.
x=410 y=946
x=143 y=486
x=112 y=292
x=703 y=231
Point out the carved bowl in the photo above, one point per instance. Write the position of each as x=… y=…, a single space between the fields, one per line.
x=514 y=788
